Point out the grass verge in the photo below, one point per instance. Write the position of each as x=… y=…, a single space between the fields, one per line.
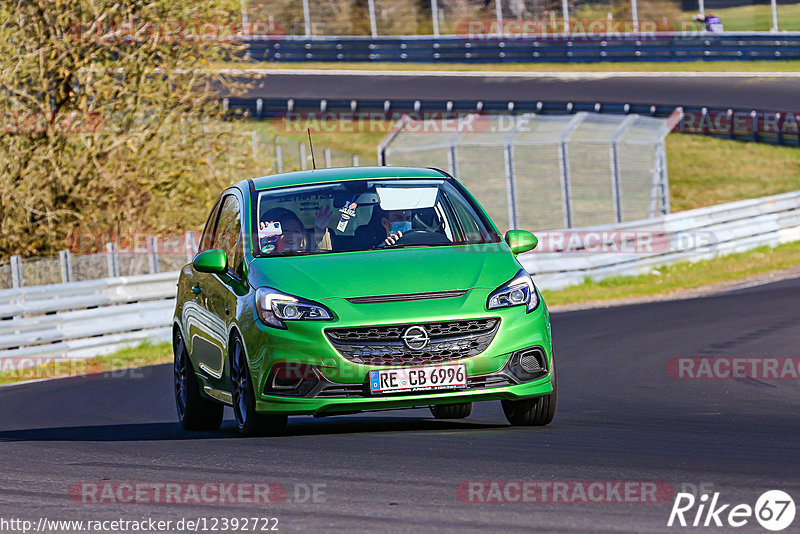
x=673 y=279
x=127 y=358
x=704 y=171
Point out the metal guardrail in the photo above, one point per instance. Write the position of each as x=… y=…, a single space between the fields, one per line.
x=760 y=126
x=555 y=48
x=84 y=319
x=690 y=235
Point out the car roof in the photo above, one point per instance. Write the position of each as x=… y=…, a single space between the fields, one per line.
x=319 y=176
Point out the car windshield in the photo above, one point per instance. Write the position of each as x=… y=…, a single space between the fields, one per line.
x=362 y=215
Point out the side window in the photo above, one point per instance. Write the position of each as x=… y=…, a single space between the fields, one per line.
x=227 y=235
x=207 y=239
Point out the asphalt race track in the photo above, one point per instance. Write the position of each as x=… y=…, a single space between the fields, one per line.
x=620 y=418
x=764 y=92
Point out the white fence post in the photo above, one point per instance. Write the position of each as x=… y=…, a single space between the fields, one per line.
x=511 y=190
x=190 y=245
x=152 y=254
x=65 y=259
x=435 y=17
x=327 y=153
x=254 y=139
x=111 y=260
x=16 y=272
x=373 y=24
x=278 y=156
x=498 y=8
x=355 y=160
x=306 y=18
x=774 y=15
x=302 y=149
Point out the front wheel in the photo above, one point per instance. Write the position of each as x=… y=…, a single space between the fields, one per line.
x=451 y=411
x=194 y=411
x=538 y=411
x=248 y=421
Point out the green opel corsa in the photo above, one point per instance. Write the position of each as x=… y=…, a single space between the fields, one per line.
x=336 y=291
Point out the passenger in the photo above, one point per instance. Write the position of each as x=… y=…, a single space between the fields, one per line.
x=293 y=237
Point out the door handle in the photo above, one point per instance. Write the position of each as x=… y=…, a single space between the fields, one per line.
x=196 y=289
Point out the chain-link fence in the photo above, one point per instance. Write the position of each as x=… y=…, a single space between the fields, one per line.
x=485 y=18
x=546 y=171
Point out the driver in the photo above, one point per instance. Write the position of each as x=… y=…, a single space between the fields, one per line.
x=395 y=223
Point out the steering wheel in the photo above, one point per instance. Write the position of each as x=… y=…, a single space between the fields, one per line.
x=414 y=237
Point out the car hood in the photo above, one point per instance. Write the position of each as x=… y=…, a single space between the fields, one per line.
x=386 y=272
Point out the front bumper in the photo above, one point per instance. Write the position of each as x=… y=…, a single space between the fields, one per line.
x=305 y=343
x=333 y=406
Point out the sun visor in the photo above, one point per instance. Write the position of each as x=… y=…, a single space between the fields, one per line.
x=407 y=198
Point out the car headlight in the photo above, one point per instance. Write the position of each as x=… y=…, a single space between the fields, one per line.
x=274 y=307
x=516 y=292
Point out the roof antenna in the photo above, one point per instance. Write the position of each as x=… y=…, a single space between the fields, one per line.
x=311 y=146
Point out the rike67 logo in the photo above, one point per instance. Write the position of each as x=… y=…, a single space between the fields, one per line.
x=774 y=510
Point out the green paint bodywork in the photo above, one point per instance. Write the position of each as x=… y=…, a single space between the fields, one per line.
x=520 y=241
x=225 y=306
x=211 y=261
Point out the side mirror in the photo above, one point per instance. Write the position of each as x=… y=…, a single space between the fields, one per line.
x=211 y=261
x=521 y=241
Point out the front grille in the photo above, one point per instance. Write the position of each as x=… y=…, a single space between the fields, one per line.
x=383 y=345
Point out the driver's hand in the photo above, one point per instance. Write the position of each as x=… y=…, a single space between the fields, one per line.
x=323 y=218
x=392 y=239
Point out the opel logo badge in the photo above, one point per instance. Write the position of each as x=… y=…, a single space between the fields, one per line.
x=416 y=338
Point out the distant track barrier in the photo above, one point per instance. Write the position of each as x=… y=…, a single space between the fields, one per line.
x=554 y=48
x=761 y=126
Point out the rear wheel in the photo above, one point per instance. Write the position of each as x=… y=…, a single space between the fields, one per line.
x=194 y=411
x=538 y=411
x=451 y=411
x=248 y=421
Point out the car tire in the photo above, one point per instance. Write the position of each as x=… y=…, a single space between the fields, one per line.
x=248 y=421
x=451 y=411
x=195 y=412
x=538 y=411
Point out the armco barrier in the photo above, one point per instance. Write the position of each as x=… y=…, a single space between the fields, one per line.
x=83 y=319
x=761 y=126
x=671 y=46
x=683 y=236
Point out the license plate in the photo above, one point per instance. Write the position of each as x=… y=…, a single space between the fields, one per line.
x=418 y=378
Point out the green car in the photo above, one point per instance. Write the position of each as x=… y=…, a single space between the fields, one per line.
x=336 y=291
